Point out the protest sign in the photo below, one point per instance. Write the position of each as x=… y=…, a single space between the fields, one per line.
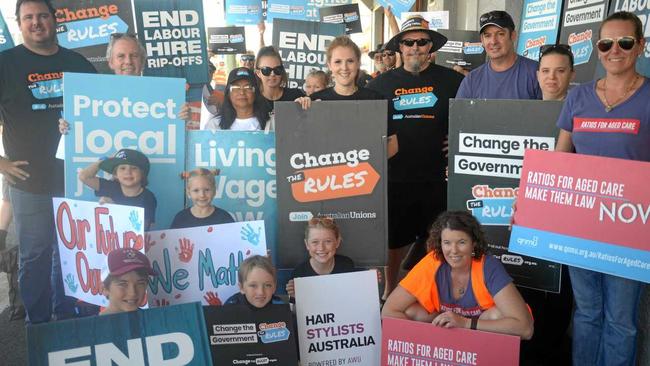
x=398 y=6
x=463 y=48
x=540 y=25
x=86 y=232
x=340 y=174
x=406 y=342
x=6 y=41
x=437 y=19
x=299 y=9
x=200 y=263
x=581 y=20
x=227 y=40
x=487 y=139
x=243 y=12
x=135 y=112
x=87 y=26
x=343 y=14
x=241 y=335
x=330 y=331
x=171 y=335
x=173 y=34
x=585 y=211
x=302 y=46
x=246 y=182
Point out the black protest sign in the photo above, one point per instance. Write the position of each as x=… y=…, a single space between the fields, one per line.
x=343 y=14
x=331 y=161
x=302 y=46
x=227 y=40
x=242 y=335
x=487 y=139
x=580 y=23
x=463 y=48
x=86 y=26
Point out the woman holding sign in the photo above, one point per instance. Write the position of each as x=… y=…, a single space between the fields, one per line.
x=604 y=322
x=459 y=285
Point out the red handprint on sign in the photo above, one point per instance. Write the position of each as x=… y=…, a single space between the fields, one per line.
x=212 y=298
x=148 y=243
x=186 y=251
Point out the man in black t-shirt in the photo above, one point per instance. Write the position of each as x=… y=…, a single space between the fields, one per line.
x=31 y=100
x=419 y=95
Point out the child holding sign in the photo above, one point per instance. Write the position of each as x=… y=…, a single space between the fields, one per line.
x=128 y=187
x=257 y=283
x=201 y=188
x=125 y=286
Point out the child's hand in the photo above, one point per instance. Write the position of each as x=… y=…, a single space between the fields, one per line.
x=379 y=277
x=64 y=126
x=161 y=302
x=305 y=102
x=104 y=200
x=72 y=285
x=212 y=298
x=248 y=234
x=186 y=251
x=135 y=220
x=185 y=113
x=290 y=289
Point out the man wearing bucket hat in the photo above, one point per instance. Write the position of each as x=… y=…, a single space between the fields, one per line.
x=506 y=75
x=417 y=125
x=376 y=57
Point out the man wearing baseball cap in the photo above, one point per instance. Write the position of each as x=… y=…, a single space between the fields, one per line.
x=506 y=75
x=125 y=284
x=419 y=94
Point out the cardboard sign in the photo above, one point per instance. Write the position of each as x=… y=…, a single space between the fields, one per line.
x=6 y=42
x=302 y=46
x=463 y=48
x=243 y=12
x=241 y=335
x=172 y=335
x=173 y=34
x=540 y=25
x=299 y=9
x=487 y=139
x=135 y=112
x=398 y=6
x=581 y=20
x=437 y=19
x=246 y=185
x=227 y=40
x=585 y=211
x=201 y=263
x=343 y=14
x=86 y=232
x=406 y=342
x=330 y=331
x=340 y=175
x=87 y=26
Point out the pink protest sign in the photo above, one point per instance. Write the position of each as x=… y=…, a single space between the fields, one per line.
x=410 y=343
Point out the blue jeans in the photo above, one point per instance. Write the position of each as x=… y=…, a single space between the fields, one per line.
x=605 y=318
x=37 y=276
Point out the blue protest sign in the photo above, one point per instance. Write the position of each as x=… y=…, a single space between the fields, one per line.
x=5 y=38
x=246 y=184
x=109 y=112
x=398 y=6
x=540 y=25
x=173 y=33
x=171 y=335
x=243 y=12
x=299 y=9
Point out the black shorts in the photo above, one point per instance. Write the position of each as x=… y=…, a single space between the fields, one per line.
x=412 y=207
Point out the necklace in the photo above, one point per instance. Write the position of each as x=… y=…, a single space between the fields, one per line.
x=609 y=106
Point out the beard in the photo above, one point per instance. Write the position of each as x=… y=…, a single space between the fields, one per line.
x=414 y=63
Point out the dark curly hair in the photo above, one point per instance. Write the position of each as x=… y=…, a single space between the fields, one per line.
x=457 y=220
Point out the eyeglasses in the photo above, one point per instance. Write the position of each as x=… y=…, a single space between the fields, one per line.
x=625 y=43
x=410 y=42
x=242 y=89
x=266 y=71
x=390 y=54
x=247 y=58
x=560 y=48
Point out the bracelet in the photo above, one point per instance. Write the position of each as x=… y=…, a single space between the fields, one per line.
x=474 y=323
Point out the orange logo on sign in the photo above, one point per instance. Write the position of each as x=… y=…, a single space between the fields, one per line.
x=337 y=181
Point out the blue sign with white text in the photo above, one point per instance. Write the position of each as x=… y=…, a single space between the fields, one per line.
x=398 y=6
x=299 y=9
x=107 y=113
x=243 y=12
x=540 y=25
x=170 y=335
x=5 y=37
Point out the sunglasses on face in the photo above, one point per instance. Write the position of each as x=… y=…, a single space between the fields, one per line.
x=420 y=42
x=247 y=58
x=388 y=54
x=625 y=43
x=266 y=71
x=241 y=89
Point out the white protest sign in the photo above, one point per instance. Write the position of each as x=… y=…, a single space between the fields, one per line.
x=330 y=330
x=86 y=233
x=436 y=19
x=201 y=263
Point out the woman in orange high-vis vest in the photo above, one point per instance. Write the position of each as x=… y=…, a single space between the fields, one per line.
x=459 y=285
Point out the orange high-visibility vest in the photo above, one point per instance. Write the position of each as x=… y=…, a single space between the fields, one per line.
x=481 y=293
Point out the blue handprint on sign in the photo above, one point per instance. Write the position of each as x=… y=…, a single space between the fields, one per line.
x=135 y=220
x=72 y=284
x=249 y=234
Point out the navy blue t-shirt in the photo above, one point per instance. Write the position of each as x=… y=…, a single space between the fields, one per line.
x=185 y=219
x=146 y=199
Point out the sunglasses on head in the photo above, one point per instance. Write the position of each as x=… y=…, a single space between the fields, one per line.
x=266 y=71
x=316 y=220
x=248 y=58
x=563 y=49
x=625 y=43
x=410 y=42
x=116 y=36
